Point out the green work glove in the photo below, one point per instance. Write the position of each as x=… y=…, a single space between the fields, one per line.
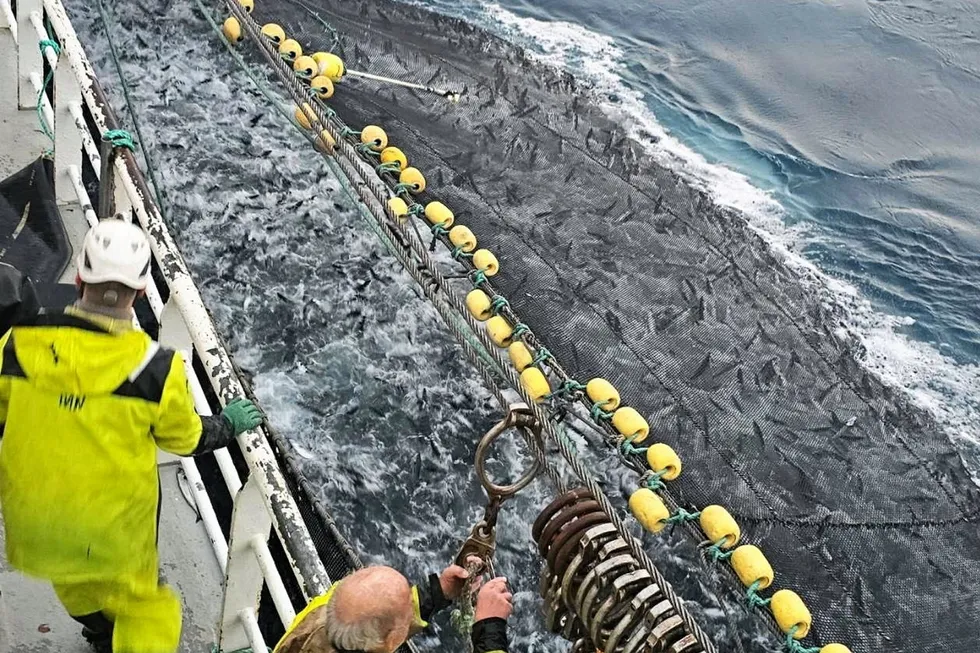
x=242 y=414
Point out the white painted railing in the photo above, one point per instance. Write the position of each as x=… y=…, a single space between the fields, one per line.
x=264 y=502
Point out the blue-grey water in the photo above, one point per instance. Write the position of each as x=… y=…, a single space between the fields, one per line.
x=848 y=132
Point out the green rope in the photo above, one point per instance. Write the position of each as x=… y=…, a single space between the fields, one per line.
x=567 y=388
x=42 y=44
x=794 y=646
x=598 y=414
x=682 y=516
x=541 y=356
x=120 y=138
x=629 y=449
x=391 y=166
x=652 y=479
x=520 y=329
x=132 y=111
x=347 y=131
x=457 y=253
x=752 y=594
x=478 y=277
x=438 y=230
x=497 y=304
x=563 y=436
x=717 y=553
x=404 y=188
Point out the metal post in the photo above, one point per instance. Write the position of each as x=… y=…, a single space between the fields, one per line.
x=28 y=53
x=107 y=177
x=67 y=139
x=243 y=576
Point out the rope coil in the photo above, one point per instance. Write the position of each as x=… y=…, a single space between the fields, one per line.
x=120 y=138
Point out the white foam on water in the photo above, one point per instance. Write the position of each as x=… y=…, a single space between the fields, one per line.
x=950 y=391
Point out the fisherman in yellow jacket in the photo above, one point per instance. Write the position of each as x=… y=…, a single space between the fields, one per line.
x=374 y=610
x=85 y=400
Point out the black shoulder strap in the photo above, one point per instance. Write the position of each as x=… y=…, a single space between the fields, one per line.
x=148 y=379
x=11 y=366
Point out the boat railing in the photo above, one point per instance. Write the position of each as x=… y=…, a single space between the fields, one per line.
x=55 y=78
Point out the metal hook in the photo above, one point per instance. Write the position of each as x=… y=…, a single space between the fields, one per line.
x=520 y=416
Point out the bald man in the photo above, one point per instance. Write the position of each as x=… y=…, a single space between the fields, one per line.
x=374 y=610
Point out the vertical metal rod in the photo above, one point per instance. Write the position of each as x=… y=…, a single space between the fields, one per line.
x=106 y=191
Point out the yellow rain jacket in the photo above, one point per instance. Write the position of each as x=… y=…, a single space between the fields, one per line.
x=85 y=401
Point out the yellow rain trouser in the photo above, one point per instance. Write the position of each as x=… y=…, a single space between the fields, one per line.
x=145 y=613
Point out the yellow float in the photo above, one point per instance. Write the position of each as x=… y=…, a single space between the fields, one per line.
x=322 y=86
x=483 y=259
x=649 y=509
x=232 y=30
x=791 y=613
x=751 y=566
x=374 y=137
x=835 y=648
x=630 y=424
x=274 y=33
x=440 y=214
x=520 y=355
x=399 y=208
x=325 y=142
x=330 y=65
x=501 y=332
x=305 y=67
x=412 y=179
x=478 y=304
x=461 y=236
x=290 y=50
x=603 y=393
x=394 y=155
x=535 y=383
x=305 y=116
x=718 y=524
x=662 y=458
x=247 y=5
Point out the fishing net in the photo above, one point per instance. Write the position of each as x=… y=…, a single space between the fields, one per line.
x=624 y=270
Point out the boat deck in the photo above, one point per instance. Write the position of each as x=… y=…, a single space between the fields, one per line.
x=31 y=619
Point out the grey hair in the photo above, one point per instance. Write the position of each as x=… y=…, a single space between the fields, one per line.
x=365 y=634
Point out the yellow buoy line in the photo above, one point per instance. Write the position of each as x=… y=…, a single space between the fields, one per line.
x=652 y=505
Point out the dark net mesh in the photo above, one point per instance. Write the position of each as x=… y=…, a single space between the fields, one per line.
x=859 y=499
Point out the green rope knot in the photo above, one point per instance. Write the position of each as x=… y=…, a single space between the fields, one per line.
x=478 y=277
x=457 y=253
x=438 y=230
x=541 y=356
x=717 y=553
x=497 y=304
x=405 y=188
x=520 y=329
x=598 y=414
x=682 y=516
x=626 y=445
x=793 y=645
x=49 y=43
x=414 y=209
x=391 y=166
x=120 y=138
x=566 y=389
x=651 y=480
x=752 y=594
x=346 y=131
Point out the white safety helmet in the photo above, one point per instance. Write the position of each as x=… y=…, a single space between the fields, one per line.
x=115 y=250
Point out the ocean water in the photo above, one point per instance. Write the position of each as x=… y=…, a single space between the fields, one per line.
x=875 y=203
x=847 y=131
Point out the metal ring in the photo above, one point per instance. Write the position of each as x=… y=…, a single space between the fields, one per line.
x=633 y=616
x=560 y=502
x=686 y=644
x=621 y=587
x=520 y=416
x=625 y=562
x=587 y=548
x=568 y=539
x=666 y=632
x=564 y=517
